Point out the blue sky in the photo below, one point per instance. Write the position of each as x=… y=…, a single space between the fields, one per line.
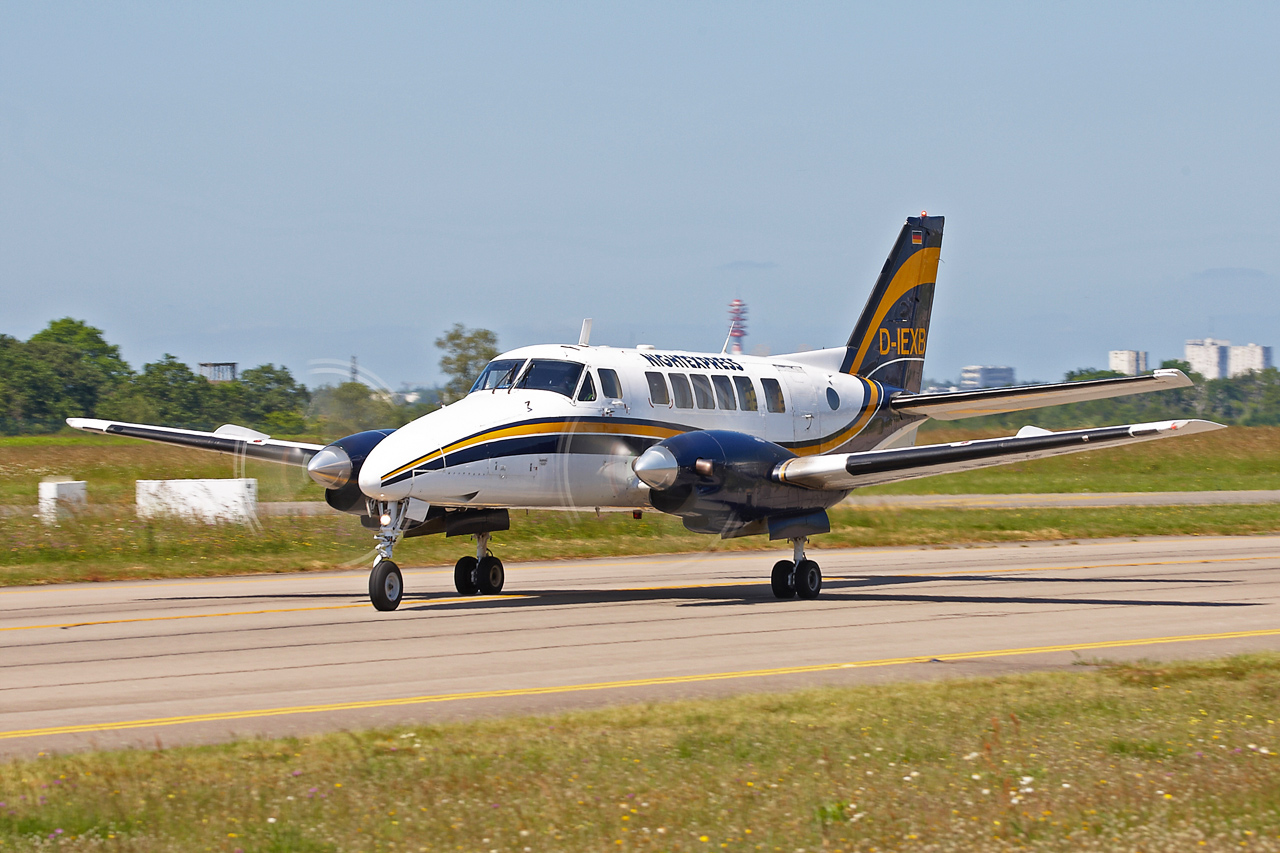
x=294 y=182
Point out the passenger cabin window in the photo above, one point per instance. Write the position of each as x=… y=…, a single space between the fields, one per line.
x=658 y=389
x=773 y=395
x=588 y=392
x=746 y=393
x=724 y=392
x=680 y=388
x=609 y=384
x=498 y=374
x=702 y=391
x=547 y=374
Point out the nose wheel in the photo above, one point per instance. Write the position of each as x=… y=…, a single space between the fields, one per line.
x=482 y=574
x=386 y=585
x=801 y=577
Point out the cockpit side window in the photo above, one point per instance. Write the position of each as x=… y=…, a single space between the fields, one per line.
x=588 y=392
x=610 y=385
x=547 y=374
x=499 y=373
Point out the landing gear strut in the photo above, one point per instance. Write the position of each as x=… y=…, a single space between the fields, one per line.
x=482 y=573
x=799 y=577
x=386 y=584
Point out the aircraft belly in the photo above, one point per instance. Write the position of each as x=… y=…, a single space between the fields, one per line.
x=578 y=480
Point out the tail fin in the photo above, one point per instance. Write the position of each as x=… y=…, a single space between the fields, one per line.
x=889 y=341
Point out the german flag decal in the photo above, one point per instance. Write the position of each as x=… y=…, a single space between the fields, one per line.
x=917 y=238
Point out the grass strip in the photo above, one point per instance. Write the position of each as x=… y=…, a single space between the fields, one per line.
x=1230 y=459
x=115 y=547
x=1145 y=756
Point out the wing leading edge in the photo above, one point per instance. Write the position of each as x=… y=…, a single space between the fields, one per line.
x=228 y=438
x=995 y=401
x=873 y=467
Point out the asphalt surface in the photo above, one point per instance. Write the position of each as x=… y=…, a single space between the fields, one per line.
x=185 y=661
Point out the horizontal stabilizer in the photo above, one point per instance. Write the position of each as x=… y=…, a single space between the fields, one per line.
x=838 y=471
x=994 y=401
x=227 y=439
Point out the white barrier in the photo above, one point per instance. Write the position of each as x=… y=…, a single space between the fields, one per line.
x=209 y=501
x=60 y=498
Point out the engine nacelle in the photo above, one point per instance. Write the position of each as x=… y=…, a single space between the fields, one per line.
x=719 y=481
x=337 y=468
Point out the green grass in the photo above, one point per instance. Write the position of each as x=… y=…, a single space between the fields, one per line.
x=1236 y=458
x=1229 y=459
x=117 y=545
x=1141 y=757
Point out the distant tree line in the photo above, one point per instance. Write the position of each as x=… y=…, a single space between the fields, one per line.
x=1249 y=400
x=69 y=370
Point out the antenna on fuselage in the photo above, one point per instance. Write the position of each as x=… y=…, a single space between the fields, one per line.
x=584 y=337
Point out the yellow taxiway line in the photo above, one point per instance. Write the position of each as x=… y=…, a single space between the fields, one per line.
x=614 y=685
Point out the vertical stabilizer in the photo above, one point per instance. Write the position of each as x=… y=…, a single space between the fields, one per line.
x=889 y=341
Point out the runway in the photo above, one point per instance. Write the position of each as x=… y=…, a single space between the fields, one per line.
x=188 y=661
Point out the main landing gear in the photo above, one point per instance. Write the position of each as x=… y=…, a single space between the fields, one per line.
x=800 y=577
x=482 y=573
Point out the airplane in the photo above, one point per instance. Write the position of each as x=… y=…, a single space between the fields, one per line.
x=732 y=444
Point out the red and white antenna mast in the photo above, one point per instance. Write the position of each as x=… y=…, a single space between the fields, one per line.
x=737 y=324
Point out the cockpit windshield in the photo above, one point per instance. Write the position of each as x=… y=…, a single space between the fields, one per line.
x=546 y=374
x=498 y=374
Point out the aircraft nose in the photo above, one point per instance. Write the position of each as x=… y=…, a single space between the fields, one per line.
x=371 y=481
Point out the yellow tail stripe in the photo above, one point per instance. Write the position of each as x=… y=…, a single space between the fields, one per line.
x=917 y=269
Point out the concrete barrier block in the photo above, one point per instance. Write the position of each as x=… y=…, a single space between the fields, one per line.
x=210 y=501
x=60 y=499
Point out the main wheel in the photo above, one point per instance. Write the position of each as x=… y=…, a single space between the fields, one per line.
x=386 y=585
x=491 y=575
x=808 y=579
x=781 y=580
x=464 y=576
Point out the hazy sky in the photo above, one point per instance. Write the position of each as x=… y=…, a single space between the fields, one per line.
x=273 y=182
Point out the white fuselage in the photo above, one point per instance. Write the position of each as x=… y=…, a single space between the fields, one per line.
x=522 y=443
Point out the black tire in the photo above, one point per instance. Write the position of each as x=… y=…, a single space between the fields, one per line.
x=464 y=576
x=782 y=580
x=386 y=585
x=808 y=579
x=490 y=575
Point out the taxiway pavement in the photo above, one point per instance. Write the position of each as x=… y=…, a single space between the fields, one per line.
x=185 y=661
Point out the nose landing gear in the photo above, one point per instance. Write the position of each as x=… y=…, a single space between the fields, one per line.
x=801 y=577
x=482 y=573
x=386 y=584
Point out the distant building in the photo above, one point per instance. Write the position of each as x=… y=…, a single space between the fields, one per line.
x=218 y=371
x=1130 y=362
x=1208 y=357
x=1249 y=357
x=985 y=376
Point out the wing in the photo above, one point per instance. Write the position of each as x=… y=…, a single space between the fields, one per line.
x=228 y=438
x=839 y=471
x=994 y=401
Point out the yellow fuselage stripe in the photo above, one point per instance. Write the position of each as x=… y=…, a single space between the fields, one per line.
x=622 y=684
x=575 y=427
